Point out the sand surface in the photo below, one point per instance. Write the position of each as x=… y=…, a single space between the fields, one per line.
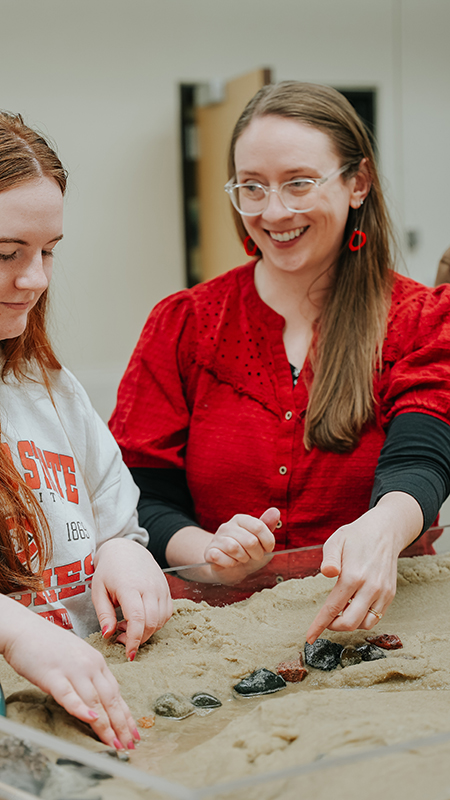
x=328 y=715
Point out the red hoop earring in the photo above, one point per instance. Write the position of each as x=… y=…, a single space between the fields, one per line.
x=250 y=247
x=352 y=245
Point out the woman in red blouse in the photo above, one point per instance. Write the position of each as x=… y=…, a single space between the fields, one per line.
x=304 y=397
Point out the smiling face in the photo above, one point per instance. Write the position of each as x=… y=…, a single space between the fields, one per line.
x=30 y=226
x=273 y=150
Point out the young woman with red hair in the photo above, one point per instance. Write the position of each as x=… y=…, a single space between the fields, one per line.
x=71 y=548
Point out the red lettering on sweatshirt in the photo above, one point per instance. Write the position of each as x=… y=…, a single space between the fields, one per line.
x=88 y=565
x=23 y=599
x=53 y=462
x=48 y=595
x=7 y=450
x=66 y=574
x=11 y=524
x=31 y=473
x=70 y=478
x=47 y=477
x=58 y=616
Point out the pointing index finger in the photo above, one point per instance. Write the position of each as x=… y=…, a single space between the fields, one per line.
x=332 y=609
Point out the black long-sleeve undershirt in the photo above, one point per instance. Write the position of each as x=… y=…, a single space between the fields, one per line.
x=165 y=506
x=415 y=459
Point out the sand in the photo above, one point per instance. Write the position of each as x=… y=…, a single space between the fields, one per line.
x=329 y=715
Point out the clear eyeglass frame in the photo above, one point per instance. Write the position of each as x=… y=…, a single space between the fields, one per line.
x=231 y=188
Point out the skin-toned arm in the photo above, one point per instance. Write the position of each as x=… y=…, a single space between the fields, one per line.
x=363 y=555
x=69 y=669
x=126 y=574
x=238 y=548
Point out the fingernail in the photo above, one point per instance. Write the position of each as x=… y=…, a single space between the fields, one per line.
x=132 y=655
x=136 y=735
x=93 y=714
x=130 y=745
x=105 y=630
x=118 y=745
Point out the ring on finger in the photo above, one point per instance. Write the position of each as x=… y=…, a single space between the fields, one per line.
x=377 y=613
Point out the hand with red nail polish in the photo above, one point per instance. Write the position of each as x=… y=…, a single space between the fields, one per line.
x=126 y=575
x=68 y=668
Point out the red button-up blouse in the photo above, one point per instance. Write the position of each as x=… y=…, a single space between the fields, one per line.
x=209 y=390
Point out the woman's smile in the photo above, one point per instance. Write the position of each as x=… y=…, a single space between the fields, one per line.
x=273 y=150
x=287 y=236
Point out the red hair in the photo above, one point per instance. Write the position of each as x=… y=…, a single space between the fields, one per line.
x=25 y=155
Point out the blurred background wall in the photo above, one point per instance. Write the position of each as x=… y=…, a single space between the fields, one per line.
x=101 y=77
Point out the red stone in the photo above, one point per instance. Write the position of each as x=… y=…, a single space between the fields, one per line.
x=388 y=641
x=292 y=671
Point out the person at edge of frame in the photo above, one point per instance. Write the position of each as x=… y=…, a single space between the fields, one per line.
x=68 y=503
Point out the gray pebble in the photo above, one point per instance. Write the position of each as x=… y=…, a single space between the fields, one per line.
x=204 y=700
x=350 y=656
x=173 y=705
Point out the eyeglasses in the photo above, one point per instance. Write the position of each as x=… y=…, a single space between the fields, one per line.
x=300 y=195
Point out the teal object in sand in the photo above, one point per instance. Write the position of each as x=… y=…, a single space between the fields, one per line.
x=2 y=703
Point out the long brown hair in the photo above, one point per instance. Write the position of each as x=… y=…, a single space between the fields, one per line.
x=25 y=155
x=351 y=327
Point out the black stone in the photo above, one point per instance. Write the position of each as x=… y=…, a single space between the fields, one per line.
x=350 y=656
x=204 y=700
x=323 y=654
x=262 y=681
x=370 y=652
x=89 y=772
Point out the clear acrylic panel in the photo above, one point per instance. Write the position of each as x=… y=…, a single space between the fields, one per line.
x=36 y=765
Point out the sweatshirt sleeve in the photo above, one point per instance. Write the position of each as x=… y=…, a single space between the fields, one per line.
x=112 y=491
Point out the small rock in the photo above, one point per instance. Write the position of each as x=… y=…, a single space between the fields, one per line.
x=350 y=656
x=323 y=654
x=173 y=705
x=292 y=671
x=388 y=641
x=146 y=722
x=370 y=652
x=204 y=700
x=262 y=681
x=83 y=769
x=121 y=755
x=23 y=766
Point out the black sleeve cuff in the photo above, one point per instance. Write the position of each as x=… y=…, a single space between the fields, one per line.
x=165 y=506
x=415 y=459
